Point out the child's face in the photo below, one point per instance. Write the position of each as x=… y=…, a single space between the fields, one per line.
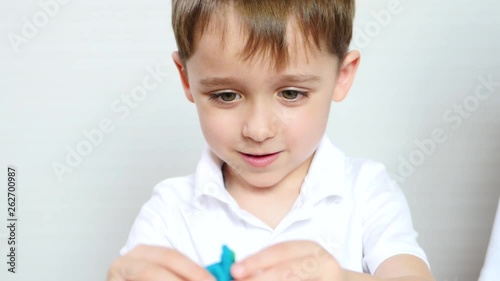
x=248 y=108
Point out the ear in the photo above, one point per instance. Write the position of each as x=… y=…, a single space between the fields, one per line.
x=346 y=76
x=183 y=75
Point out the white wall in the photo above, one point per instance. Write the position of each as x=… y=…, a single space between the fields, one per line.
x=66 y=77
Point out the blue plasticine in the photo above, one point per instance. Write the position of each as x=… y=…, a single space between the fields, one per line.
x=222 y=269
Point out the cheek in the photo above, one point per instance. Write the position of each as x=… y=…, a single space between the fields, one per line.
x=309 y=126
x=216 y=126
x=320 y=112
x=311 y=119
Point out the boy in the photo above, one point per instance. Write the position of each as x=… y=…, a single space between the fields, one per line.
x=270 y=185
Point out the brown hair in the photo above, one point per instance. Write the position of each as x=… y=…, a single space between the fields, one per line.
x=327 y=22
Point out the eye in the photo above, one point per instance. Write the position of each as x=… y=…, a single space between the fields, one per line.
x=225 y=97
x=293 y=95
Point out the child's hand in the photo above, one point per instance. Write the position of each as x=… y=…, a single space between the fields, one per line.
x=294 y=261
x=152 y=263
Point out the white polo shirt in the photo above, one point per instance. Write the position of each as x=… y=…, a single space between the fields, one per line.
x=349 y=206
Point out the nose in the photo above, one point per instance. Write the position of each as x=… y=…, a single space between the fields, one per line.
x=261 y=122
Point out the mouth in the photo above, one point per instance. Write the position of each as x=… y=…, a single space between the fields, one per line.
x=260 y=160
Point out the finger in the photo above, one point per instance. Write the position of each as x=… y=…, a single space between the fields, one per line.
x=300 y=269
x=130 y=269
x=274 y=255
x=171 y=260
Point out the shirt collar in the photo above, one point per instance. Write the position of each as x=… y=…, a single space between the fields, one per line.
x=208 y=177
x=325 y=176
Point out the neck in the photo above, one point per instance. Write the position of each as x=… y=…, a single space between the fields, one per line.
x=268 y=203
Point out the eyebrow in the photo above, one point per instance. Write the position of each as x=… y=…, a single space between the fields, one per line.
x=299 y=78
x=215 y=81
x=289 y=78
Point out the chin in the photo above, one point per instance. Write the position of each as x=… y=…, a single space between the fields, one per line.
x=261 y=181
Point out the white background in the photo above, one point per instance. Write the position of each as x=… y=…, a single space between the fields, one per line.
x=64 y=78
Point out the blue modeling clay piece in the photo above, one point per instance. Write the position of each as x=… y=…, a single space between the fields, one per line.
x=222 y=270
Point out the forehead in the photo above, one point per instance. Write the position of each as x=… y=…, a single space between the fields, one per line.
x=226 y=32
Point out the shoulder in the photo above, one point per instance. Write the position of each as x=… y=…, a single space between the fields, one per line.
x=169 y=199
x=363 y=171
x=337 y=173
x=174 y=191
x=330 y=161
x=162 y=211
x=367 y=178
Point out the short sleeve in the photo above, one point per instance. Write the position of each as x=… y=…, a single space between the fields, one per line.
x=149 y=227
x=491 y=270
x=387 y=224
